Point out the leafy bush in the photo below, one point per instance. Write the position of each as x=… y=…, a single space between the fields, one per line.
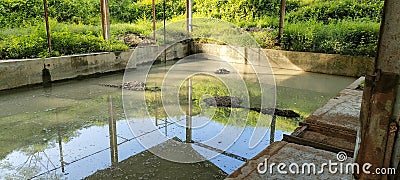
x=16 y=13
x=241 y=10
x=75 y=11
x=326 y=11
x=345 y=27
x=344 y=37
x=265 y=39
x=127 y=11
x=66 y=40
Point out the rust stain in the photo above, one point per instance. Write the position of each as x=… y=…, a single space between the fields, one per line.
x=376 y=111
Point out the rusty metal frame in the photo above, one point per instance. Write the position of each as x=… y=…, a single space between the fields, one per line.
x=376 y=111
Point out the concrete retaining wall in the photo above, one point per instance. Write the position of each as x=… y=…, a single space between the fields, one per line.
x=16 y=73
x=312 y=62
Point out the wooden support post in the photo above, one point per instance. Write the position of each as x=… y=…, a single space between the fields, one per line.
x=46 y=18
x=105 y=19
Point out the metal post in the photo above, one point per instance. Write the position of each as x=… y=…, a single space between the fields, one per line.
x=153 y=6
x=46 y=18
x=281 y=20
x=105 y=19
x=380 y=109
x=189 y=15
x=165 y=33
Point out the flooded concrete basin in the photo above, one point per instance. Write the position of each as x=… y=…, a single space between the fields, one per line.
x=77 y=129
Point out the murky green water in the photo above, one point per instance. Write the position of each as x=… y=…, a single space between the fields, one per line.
x=65 y=131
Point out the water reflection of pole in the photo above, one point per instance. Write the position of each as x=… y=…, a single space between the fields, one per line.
x=60 y=149
x=272 y=135
x=112 y=127
x=165 y=33
x=189 y=112
x=156 y=107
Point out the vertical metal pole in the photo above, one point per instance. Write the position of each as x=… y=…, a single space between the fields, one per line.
x=156 y=107
x=281 y=20
x=46 y=18
x=153 y=6
x=105 y=19
x=189 y=15
x=112 y=129
x=189 y=112
x=165 y=33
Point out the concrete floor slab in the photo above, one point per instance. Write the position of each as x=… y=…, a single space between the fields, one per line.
x=288 y=154
x=332 y=126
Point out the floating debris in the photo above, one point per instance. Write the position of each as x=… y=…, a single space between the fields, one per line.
x=222 y=71
x=224 y=101
x=133 y=86
x=234 y=102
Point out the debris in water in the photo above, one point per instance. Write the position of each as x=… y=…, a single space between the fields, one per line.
x=234 y=102
x=222 y=71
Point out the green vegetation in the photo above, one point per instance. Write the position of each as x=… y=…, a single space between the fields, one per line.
x=345 y=27
x=342 y=37
x=66 y=39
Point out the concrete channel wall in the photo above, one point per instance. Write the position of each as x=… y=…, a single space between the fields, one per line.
x=334 y=64
x=22 y=72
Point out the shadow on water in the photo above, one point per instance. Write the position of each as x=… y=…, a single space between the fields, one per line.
x=76 y=129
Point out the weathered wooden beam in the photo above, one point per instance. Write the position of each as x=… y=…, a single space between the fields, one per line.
x=317 y=145
x=330 y=130
x=299 y=131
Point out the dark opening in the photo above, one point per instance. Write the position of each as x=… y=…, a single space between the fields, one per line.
x=46 y=76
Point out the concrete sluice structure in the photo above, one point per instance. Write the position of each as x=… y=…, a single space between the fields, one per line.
x=320 y=148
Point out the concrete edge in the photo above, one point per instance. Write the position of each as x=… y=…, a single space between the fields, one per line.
x=269 y=151
x=16 y=73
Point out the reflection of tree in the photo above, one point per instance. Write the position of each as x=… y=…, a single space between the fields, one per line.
x=35 y=163
x=31 y=134
x=203 y=85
